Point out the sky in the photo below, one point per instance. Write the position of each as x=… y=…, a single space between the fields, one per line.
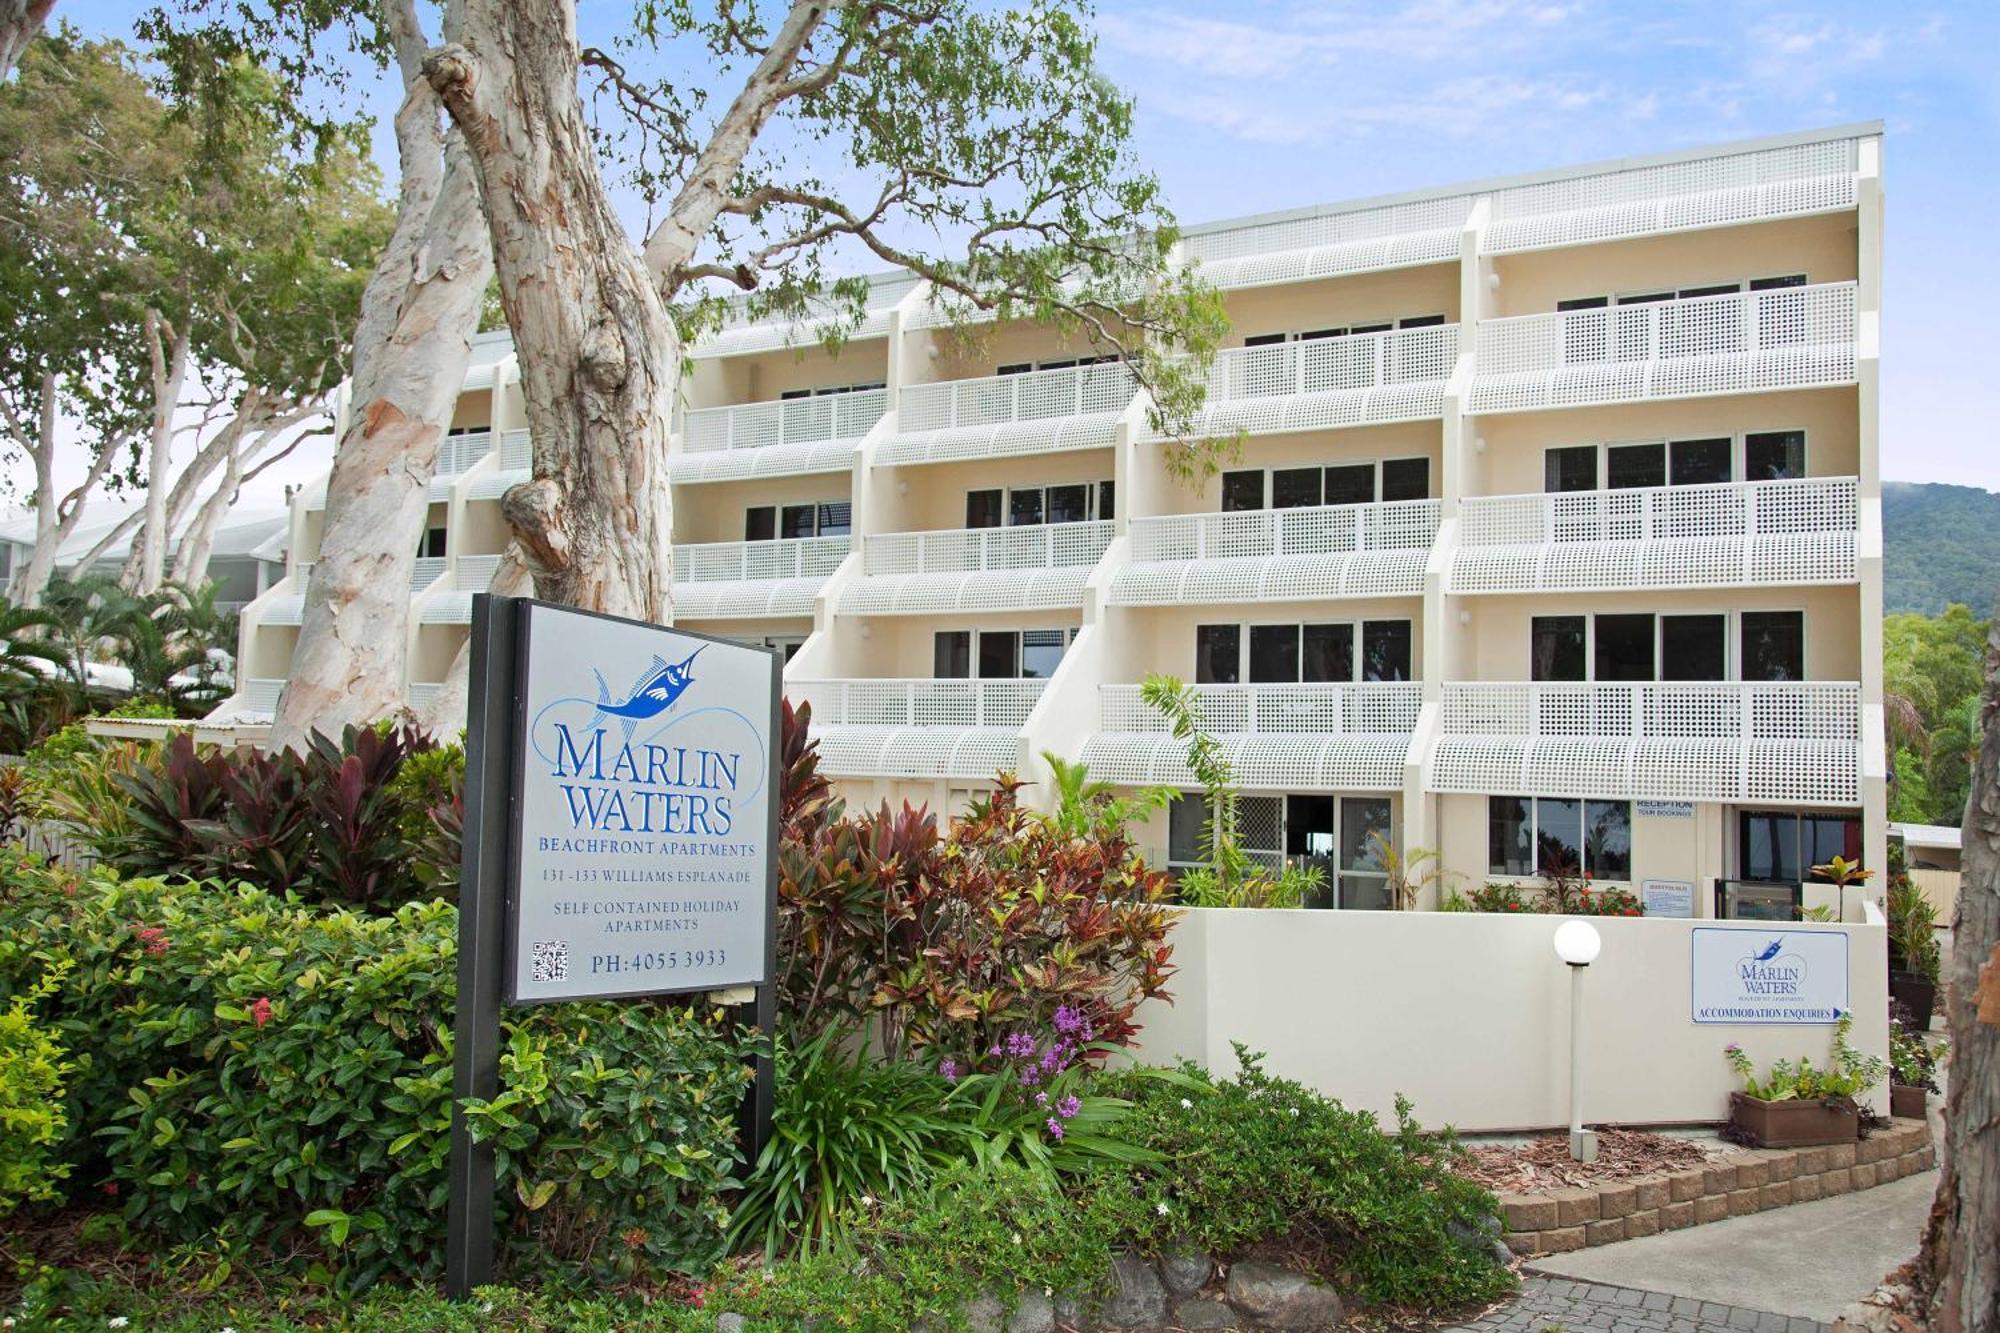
x=1251 y=106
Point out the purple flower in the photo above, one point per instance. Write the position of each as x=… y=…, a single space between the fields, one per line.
x=1052 y=1059
x=1068 y=1018
x=949 y=1068
x=1069 y=1106
x=1041 y=1099
x=1055 y=1128
x=1731 y=1049
x=1030 y=1076
x=1020 y=1045
x=994 y=1049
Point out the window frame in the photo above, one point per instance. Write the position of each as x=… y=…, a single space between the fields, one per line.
x=1534 y=839
x=1268 y=488
x=1739 y=463
x=1357 y=647
x=1732 y=640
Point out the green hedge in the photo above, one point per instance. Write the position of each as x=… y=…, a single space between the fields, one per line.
x=254 y=1066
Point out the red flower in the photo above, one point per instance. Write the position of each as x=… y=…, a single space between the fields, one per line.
x=260 y=1010
x=154 y=939
x=110 y=1187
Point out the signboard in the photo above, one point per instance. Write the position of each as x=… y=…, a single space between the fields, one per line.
x=643 y=811
x=1667 y=897
x=1664 y=809
x=621 y=833
x=1771 y=976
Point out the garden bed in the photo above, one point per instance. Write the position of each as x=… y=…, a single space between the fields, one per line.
x=1544 y=1163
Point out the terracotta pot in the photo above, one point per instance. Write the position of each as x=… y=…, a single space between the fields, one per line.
x=1908 y=1103
x=1794 y=1123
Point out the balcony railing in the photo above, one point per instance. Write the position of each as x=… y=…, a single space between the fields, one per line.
x=1399 y=525
x=1655 y=711
x=475 y=572
x=1322 y=365
x=261 y=696
x=1040 y=546
x=918 y=703
x=426 y=571
x=1375 y=708
x=1038 y=395
x=1785 y=338
x=827 y=416
x=457 y=453
x=1323 y=244
x=731 y=562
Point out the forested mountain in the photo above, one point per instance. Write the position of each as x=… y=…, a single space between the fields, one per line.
x=1940 y=544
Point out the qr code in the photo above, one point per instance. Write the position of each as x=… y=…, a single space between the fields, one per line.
x=550 y=960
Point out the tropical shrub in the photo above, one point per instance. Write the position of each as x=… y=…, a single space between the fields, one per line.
x=1913 y=943
x=250 y=1065
x=1607 y=901
x=1498 y=897
x=32 y=1121
x=1913 y=1062
x=1258 y=1158
x=951 y=941
x=1848 y=1075
x=47 y=766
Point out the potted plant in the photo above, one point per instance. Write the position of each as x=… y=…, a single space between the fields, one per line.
x=1800 y=1104
x=1841 y=872
x=1913 y=1066
x=1914 y=961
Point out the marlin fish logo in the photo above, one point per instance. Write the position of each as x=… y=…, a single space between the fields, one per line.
x=658 y=686
x=1770 y=951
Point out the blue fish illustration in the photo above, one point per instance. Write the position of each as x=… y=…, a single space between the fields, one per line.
x=1770 y=951
x=658 y=686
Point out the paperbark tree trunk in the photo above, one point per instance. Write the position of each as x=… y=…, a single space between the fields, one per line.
x=418 y=315
x=599 y=357
x=20 y=20
x=56 y=517
x=1961 y=1253
x=146 y=566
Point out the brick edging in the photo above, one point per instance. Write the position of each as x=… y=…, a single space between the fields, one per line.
x=1563 y=1220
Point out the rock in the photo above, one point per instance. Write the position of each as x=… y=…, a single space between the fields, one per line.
x=1278 y=1298
x=1070 y=1311
x=1036 y=1313
x=1482 y=1238
x=985 y=1314
x=729 y=1322
x=1186 y=1270
x=1139 y=1301
x=1205 y=1314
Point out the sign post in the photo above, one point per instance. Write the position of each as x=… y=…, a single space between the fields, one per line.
x=621 y=833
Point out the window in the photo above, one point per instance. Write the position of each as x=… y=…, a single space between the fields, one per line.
x=999 y=654
x=831 y=519
x=1363 y=881
x=1217 y=654
x=982 y=509
x=1698 y=462
x=760 y=523
x=1107 y=494
x=1303 y=828
x=836 y=518
x=1556 y=648
x=1774 y=645
x=796 y=520
x=1694 y=647
x=1313 y=653
x=1782 y=848
x=951 y=654
x=1024 y=508
x=1527 y=835
x=1774 y=455
x=1406 y=478
x=1242 y=490
x=1041 y=652
x=1351 y=484
x=1293 y=488
x=1624 y=647
x=1630 y=466
x=1572 y=468
x=433 y=543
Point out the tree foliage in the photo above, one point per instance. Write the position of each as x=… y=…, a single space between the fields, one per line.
x=1931 y=682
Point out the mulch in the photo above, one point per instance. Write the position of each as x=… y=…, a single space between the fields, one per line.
x=1544 y=1163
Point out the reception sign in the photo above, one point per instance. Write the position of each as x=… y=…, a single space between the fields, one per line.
x=1769 y=976
x=643 y=810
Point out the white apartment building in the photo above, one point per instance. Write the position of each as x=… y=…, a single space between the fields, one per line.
x=1555 y=533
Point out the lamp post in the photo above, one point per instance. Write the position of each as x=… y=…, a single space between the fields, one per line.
x=1577 y=944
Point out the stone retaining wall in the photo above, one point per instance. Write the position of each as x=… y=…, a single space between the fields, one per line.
x=1556 y=1222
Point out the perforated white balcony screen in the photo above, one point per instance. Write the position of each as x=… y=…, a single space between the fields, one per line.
x=516 y=464
x=260 y=698
x=1788 y=338
x=453 y=605
x=1042 y=411
x=739 y=337
x=1741 y=534
x=426 y=571
x=828 y=416
x=1701 y=192
x=737 y=579
x=977 y=569
x=1326 y=244
x=1273 y=555
x=457 y=453
x=1294 y=737
x=1714 y=741
x=288 y=608
x=775 y=460
x=1324 y=383
x=917 y=728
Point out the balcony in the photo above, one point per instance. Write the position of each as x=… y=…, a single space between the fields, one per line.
x=453 y=605
x=781 y=438
x=1279 y=555
x=1286 y=737
x=427 y=570
x=258 y=699
x=1364 y=379
x=516 y=465
x=1741 y=534
x=1745 y=342
x=1793 y=180
x=721 y=580
x=740 y=336
x=1796 y=741
x=917 y=728
x=1030 y=568
x=1041 y=411
x=1329 y=242
x=457 y=455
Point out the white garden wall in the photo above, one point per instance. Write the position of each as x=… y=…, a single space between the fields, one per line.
x=1467 y=1014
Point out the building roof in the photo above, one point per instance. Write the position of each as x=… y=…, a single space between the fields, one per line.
x=1926 y=835
x=258 y=534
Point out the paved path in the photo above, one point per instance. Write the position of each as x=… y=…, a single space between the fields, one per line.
x=1553 y=1303
x=1810 y=1259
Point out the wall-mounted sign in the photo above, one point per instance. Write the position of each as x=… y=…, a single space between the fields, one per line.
x=1664 y=809
x=643 y=810
x=1768 y=976
x=1667 y=897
